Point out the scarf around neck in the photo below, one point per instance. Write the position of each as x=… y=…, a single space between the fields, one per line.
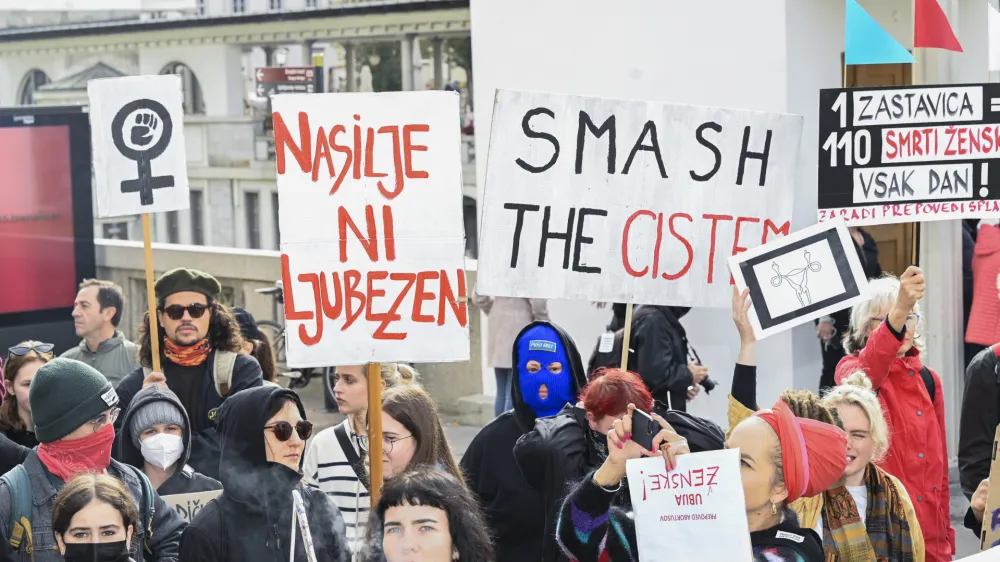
x=187 y=355
x=883 y=535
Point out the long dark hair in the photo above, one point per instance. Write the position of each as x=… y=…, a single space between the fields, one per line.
x=411 y=406
x=223 y=333
x=87 y=487
x=263 y=352
x=9 y=416
x=428 y=487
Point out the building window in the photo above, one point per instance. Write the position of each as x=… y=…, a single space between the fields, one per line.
x=275 y=4
x=251 y=203
x=201 y=7
x=115 y=230
x=277 y=227
x=197 y=216
x=310 y=3
x=173 y=228
x=194 y=100
x=33 y=80
x=239 y=6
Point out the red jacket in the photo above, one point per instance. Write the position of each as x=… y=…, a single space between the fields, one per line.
x=984 y=318
x=918 y=450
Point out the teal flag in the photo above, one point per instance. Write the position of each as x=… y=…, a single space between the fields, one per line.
x=865 y=42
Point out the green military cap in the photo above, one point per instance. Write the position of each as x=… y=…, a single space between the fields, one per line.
x=183 y=279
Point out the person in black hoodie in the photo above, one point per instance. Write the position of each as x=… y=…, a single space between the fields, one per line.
x=156 y=439
x=661 y=355
x=263 y=432
x=515 y=512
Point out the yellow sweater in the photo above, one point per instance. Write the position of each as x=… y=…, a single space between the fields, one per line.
x=808 y=510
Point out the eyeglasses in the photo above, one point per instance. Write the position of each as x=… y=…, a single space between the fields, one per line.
x=387 y=443
x=911 y=321
x=104 y=419
x=176 y=311
x=36 y=346
x=283 y=430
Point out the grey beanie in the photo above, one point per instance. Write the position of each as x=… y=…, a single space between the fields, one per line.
x=64 y=395
x=152 y=413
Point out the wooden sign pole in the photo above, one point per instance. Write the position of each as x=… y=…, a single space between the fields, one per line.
x=375 y=431
x=988 y=537
x=154 y=329
x=626 y=336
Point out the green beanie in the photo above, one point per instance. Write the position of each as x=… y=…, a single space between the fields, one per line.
x=66 y=394
x=182 y=279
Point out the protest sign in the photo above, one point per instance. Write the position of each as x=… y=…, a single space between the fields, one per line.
x=989 y=536
x=805 y=275
x=140 y=162
x=919 y=153
x=992 y=555
x=188 y=505
x=629 y=201
x=372 y=230
x=702 y=497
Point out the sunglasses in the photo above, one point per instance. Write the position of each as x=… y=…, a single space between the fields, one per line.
x=176 y=311
x=283 y=430
x=22 y=350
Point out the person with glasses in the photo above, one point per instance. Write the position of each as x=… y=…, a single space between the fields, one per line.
x=412 y=435
x=74 y=408
x=884 y=342
x=264 y=432
x=156 y=438
x=336 y=461
x=23 y=361
x=200 y=357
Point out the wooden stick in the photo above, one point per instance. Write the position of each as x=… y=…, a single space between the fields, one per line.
x=627 y=335
x=154 y=329
x=914 y=254
x=375 y=431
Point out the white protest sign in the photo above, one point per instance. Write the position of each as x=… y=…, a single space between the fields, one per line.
x=372 y=231
x=991 y=555
x=188 y=505
x=629 y=201
x=137 y=131
x=800 y=277
x=675 y=512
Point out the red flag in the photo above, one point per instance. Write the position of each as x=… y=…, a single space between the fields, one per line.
x=931 y=28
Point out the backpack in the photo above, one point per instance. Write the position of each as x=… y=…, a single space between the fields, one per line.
x=18 y=483
x=222 y=369
x=612 y=358
x=925 y=374
x=701 y=434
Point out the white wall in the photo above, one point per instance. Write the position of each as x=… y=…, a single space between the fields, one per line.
x=218 y=68
x=672 y=50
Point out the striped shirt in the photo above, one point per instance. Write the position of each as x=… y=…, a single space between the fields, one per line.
x=326 y=467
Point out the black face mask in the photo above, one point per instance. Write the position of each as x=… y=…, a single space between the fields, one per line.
x=97 y=552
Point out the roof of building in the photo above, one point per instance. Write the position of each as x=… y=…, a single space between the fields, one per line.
x=78 y=81
x=136 y=25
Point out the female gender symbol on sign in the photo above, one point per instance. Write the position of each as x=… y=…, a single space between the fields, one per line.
x=797 y=278
x=149 y=135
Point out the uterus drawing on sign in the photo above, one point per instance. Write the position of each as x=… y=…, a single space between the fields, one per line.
x=797 y=279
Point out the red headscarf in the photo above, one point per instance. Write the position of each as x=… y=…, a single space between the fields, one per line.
x=814 y=454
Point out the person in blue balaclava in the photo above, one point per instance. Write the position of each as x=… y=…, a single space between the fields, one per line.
x=548 y=375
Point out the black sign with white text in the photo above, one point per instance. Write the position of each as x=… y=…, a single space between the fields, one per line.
x=918 y=153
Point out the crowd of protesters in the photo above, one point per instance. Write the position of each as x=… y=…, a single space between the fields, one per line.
x=94 y=440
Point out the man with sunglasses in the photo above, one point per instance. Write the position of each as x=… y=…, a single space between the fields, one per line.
x=200 y=358
x=74 y=407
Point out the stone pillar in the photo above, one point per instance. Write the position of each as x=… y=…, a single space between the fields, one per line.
x=437 y=45
x=349 y=64
x=406 y=62
x=268 y=55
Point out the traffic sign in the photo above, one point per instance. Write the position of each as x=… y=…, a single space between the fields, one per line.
x=286 y=80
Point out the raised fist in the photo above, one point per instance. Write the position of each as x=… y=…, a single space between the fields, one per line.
x=145 y=125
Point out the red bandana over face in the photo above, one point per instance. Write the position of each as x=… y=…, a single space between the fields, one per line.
x=187 y=355
x=66 y=459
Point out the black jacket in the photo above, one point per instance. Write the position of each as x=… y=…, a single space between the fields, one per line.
x=252 y=518
x=514 y=509
x=661 y=353
x=185 y=480
x=21 y=437
x=205 y=448
x=979 y=419
x=11 y=454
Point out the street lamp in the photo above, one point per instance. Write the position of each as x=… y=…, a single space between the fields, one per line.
x=374 y=59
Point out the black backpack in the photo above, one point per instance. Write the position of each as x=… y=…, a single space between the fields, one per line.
x=925 y=374
x=701 y=434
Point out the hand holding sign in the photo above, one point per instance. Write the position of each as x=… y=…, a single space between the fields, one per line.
x=978 y=502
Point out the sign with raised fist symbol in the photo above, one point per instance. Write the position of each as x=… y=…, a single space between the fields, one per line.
x=138 y=143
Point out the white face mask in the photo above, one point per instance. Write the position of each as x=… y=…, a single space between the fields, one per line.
x=163 y=449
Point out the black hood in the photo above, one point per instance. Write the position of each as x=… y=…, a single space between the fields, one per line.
x=246 y=475
x=679 y=311
x=523 y=413
x=127 y=452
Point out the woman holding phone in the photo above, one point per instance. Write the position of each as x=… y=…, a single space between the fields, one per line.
x=775 y=448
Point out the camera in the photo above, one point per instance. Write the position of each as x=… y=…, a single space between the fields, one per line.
x=708 y=384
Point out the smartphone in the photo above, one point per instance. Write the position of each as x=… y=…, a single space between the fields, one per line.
x=644 y=428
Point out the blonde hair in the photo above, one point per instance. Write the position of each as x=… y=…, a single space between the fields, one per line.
x=883 y=291
x=856 y=390
x=398 y=374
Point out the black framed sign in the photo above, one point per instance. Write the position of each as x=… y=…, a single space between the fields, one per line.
x=918 y=153
x=800 y=277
